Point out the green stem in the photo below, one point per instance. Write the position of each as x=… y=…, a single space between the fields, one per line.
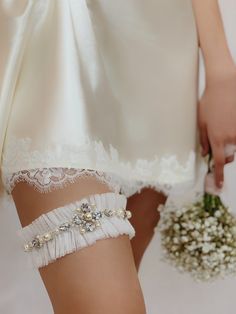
x=211 y=202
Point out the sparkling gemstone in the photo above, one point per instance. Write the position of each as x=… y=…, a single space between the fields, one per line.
x=85 y=207
x=89 y=226
x=64 y=227
x=109 y=212
x=77 y=220
x=97 y=215
x=36 y=243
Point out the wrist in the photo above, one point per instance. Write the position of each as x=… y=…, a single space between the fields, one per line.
x=218 y=60
x=221 y=73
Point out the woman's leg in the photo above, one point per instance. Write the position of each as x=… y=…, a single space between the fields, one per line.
x=144 y=219
x=98 y=279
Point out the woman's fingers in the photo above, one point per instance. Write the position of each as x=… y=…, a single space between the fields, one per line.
x=219 y=162
x=230 y=150
x=229 y=159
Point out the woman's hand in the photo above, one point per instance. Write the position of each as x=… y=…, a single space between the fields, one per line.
x=217 y=108
x=217 y=120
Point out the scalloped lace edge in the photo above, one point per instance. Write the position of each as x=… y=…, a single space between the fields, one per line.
x=161 y=174
x=46 y=180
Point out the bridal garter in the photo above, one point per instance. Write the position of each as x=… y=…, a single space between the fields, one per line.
x=66 y=229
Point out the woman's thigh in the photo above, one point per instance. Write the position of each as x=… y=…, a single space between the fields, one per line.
x=145 y=217
x=99 y=278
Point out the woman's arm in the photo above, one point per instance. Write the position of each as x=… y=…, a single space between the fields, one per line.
x=212 y=39
x=217 y=107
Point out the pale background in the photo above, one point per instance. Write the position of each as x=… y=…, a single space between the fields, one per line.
x=165 y=290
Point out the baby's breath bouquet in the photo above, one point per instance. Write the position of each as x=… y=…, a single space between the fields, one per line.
x=201 y=238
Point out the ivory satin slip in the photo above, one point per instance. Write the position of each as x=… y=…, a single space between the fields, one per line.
x=109 y=86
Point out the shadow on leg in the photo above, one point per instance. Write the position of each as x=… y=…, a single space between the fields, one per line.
x=144 y=219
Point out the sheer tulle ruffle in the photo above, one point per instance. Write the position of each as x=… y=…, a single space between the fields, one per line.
x=70 y=240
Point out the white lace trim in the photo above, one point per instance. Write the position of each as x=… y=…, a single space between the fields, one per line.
x=160 y=173
x=45 y=180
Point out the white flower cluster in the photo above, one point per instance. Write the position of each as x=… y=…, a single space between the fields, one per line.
x=199 y=241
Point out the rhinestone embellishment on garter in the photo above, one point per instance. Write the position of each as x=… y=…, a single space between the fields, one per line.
x=87 y=218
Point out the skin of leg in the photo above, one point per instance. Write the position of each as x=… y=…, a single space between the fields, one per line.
x=144 y=219
x=99 y=279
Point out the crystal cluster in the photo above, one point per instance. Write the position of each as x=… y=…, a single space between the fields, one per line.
x=87 y=218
